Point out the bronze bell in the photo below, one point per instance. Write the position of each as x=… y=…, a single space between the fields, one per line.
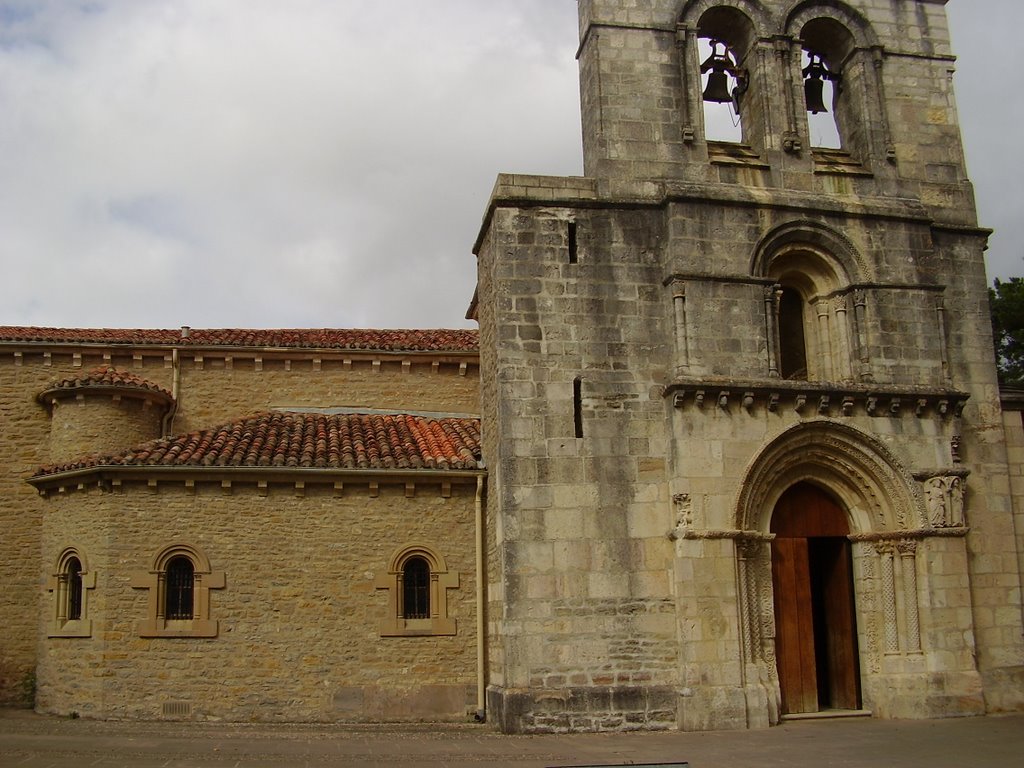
x=814 y=85
x=814 y=93
x=718 y=86
x=717 y=89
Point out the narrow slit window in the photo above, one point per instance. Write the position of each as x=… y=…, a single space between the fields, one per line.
x=74 y=589
x=573 y=249
x=793 y=344
x=180 y=586
x=416 y=589
x=577 y=406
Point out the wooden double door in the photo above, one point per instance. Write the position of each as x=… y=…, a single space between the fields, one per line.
x=815 y=619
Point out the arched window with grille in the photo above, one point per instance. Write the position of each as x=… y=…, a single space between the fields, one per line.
x=417 y=581
x=74 y=596
x=179 y=581
x=416 y=589
x=179 y=589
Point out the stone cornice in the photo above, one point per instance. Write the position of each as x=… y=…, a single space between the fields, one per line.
x=114 y=392
x=512 y=191
x=114 y=478
x=17 y=348
x=814 y=398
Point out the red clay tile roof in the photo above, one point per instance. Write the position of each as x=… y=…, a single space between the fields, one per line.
x=105 y=376
x=307 y=440
x=394 y=340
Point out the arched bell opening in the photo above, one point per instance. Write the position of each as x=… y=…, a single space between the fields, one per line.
x=816 y=650
x=821 y=91
x=725 y=38
x=838 y=77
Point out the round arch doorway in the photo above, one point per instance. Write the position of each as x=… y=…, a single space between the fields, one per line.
x=815 y=619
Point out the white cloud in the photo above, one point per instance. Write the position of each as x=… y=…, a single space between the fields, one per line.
x=264 y=163
x=315 y=162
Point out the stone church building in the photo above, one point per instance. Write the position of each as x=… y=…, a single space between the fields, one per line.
x=728 y=447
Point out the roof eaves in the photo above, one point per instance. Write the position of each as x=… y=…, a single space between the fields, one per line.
x=105 y=473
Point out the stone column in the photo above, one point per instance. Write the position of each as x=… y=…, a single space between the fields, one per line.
x=908 y=563
x=892 y=632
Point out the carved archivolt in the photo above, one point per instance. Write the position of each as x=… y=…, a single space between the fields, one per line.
x=878 y=493
x=828 y=254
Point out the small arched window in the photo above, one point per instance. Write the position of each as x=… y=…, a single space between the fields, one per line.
x=417 y=581
x=816 y=326
x=70 y=585
x=178 y=581
x=416 y=589
x=179 y=589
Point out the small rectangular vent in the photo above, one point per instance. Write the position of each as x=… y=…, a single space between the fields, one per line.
x=177 y=709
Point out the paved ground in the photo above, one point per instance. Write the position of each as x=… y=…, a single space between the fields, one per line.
x=35 y=741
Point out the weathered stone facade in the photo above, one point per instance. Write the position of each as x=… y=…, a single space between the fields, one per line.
x=675 y=342
x=299 y=614
x=299 y=559
x=743 y=444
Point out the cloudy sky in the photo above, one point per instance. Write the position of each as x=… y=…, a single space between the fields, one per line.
x=311 y=163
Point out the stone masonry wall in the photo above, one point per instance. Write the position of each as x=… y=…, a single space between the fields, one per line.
x=299 y=617
x=587 y=634
x=97 y=423
x=25 y=427
x=643 y=116
x=211 y=392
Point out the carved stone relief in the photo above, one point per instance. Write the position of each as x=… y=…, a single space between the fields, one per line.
x=944 y=496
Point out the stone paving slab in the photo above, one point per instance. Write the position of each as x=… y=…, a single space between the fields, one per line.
x=28 y=740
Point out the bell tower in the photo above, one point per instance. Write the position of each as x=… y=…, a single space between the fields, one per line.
x=709 y=328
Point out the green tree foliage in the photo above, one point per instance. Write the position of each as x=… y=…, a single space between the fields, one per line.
x=1007 y=302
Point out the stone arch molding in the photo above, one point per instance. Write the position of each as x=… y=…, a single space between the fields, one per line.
x=825 y=243
x=878 y=493
x=765 y=24
x=200 y=561
x=434 y=558
x=740 y=23
x=854 y=22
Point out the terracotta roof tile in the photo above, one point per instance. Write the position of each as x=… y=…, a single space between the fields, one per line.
x=106 y=376
x=388 y=340
x=307 y=440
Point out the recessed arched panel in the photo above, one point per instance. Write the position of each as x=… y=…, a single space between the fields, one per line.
x=842 y=41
